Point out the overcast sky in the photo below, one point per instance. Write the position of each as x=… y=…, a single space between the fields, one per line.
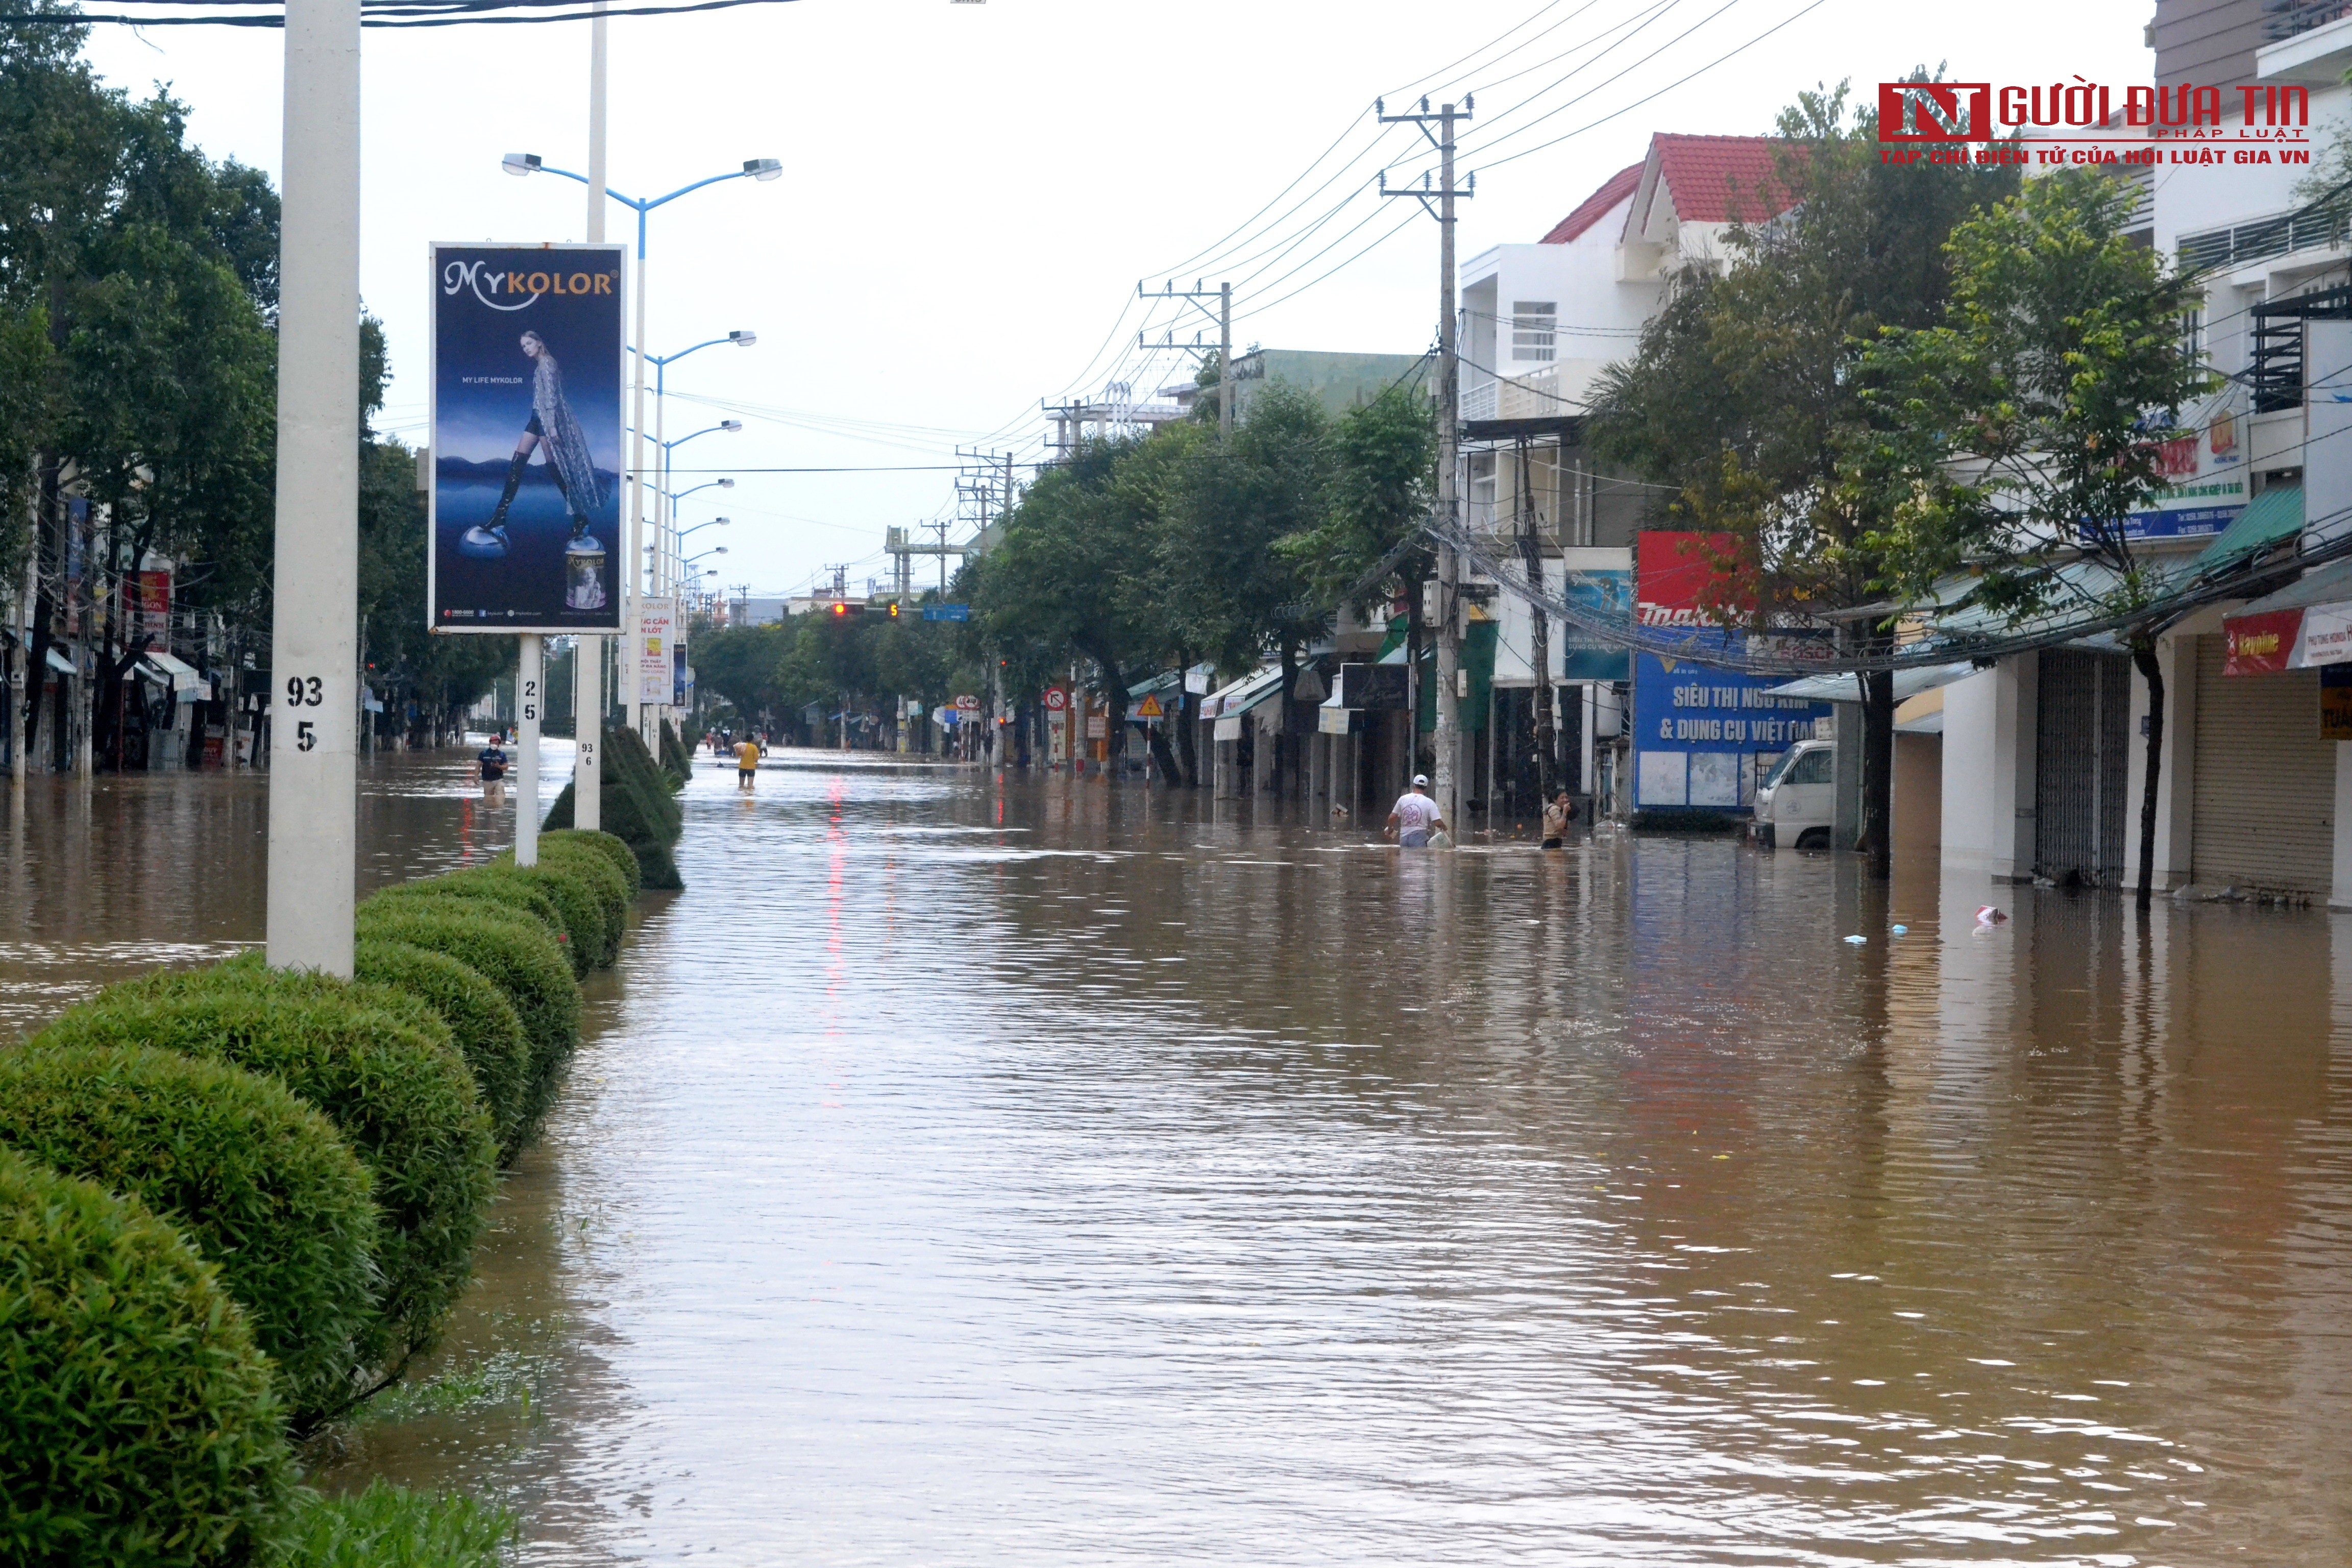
x=972 y=191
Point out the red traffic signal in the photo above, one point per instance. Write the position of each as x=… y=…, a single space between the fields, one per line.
x=842 y=611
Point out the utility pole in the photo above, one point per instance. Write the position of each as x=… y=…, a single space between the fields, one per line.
x=1223 y=295
x=314 y=642
x=1530 y=533
x=1439 y=203
x=588 y=653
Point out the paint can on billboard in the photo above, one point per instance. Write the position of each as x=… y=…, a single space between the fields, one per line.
x=525 y=502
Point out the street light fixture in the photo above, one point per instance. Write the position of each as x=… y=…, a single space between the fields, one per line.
x=665 y=510
x=761 y=169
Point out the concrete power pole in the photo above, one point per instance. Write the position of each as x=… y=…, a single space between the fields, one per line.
x=588 y=652
x=1223 y=295
x=314 y=663
x=1440 y=204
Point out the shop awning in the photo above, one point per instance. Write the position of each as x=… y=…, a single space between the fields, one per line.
x=1908 y=683
x=168 y=667
x=2271 y=517
x=58 y=661
x=2327 y=584
x=1243 y=695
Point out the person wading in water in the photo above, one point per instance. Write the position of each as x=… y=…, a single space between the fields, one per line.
x=1416 y=816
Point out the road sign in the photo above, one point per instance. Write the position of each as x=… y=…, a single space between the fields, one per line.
x=947 y=612
x=968 y=703
x=1056 y=699
x=1150 y=709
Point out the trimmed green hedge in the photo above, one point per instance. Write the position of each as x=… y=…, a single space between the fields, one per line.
x=498 y=886
x=586 y=932
x=261 y=1184
x=677 y=761
x=141 y=1428
x=483 y=1024
x=572 y=870
x=637 y=808
x=613 y=848
x=514 y=952
x=436 y=995
x=403 y=1097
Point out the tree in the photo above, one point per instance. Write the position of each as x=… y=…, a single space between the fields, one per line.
x=1746 y=393
x=1231 y=590
x=2028 y=427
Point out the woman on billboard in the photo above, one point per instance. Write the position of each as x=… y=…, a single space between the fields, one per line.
x=553 y=425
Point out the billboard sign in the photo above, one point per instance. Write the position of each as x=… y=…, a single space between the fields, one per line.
x=525 y=503
x=2204 y=472
x=1584 y=655
x=1703 y=736
x=657 y=650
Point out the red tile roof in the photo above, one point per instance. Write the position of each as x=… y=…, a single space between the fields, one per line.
x=1595 y=206
x=1719 y=179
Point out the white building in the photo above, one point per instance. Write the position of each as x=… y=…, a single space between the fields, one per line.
x=1540 y=324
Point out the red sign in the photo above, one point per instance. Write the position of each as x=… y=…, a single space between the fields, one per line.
x=2263 y=644
x=1935 y=111
x=968 y=703
x=1055 y=699
x=155 y=602
x=1976 y=110
x=1690 y=580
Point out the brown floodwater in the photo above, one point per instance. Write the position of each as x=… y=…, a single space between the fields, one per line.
x=1041 y=1172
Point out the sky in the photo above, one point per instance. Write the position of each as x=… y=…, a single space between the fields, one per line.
x=972 y=191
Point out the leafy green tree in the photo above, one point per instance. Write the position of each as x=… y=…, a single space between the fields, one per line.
x=1231 y=587
x=1747 y=393
x=2026 y=426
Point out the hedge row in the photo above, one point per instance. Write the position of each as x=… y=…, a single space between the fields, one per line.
x=234 y=1200
x=633 y=794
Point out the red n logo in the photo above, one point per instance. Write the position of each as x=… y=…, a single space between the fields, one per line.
x=1935 y=111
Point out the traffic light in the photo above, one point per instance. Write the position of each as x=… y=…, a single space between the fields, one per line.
x=894 y=609
x=843 y=611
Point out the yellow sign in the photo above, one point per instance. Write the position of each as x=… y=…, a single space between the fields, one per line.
x=1150 y=709
x=2334 y=704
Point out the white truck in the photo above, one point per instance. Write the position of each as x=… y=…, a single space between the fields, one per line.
x=1797 y=806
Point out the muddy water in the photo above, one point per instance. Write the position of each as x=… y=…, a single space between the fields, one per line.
x=1044 y=1173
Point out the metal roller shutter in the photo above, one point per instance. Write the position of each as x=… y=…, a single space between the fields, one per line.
x=2082 y=724
x=2264 y=809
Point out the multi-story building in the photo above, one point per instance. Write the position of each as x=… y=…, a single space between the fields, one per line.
x=2044 y=762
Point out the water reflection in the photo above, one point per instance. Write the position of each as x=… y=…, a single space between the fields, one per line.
x=966 y=1172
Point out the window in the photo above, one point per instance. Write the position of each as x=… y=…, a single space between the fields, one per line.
x=2192 y=334
x=1814 y=767
x=1532 y=324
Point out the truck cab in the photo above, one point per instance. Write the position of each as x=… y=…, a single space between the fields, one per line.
x=1797 y=805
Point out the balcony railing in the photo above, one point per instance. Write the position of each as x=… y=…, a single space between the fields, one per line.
x=2288 y=17
x=2300 y=230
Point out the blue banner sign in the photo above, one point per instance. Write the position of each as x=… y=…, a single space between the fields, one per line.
x=947 y=612
x=1705 y=737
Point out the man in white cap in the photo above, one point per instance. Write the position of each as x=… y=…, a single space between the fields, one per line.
x=1416 y=816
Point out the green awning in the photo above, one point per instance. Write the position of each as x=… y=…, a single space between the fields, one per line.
x=2275 y=514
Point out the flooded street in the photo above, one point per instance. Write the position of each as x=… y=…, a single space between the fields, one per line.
x=1047 y=1173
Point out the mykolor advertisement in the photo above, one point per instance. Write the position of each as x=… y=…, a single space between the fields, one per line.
x=525 y=505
